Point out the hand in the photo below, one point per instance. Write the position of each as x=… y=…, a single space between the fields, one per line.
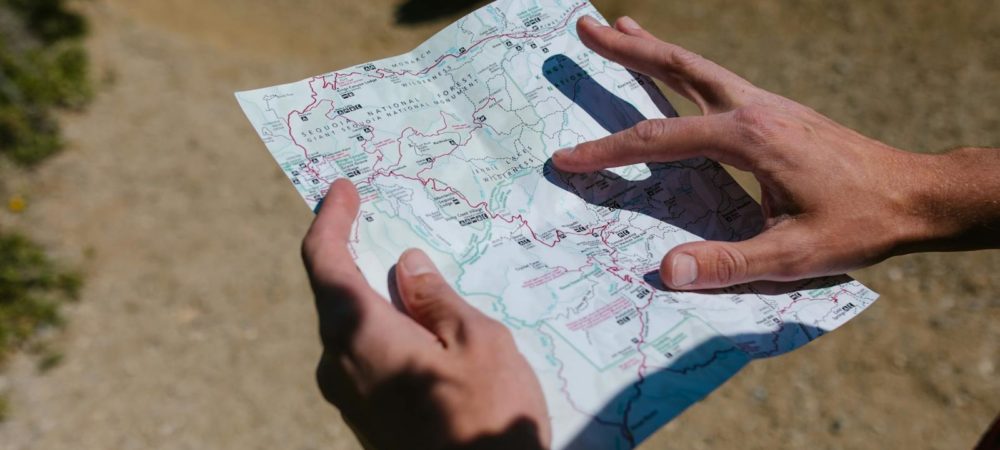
x=441 y=376
x=833 y=200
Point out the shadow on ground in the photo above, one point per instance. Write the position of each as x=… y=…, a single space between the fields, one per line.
x=413 y=12
x=638 y=411
x=657 y=397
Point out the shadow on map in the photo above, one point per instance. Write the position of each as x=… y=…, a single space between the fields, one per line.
x=638 y=411
x=610 y=190
x=665 y=392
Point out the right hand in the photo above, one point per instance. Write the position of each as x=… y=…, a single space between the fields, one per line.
x=833 y=200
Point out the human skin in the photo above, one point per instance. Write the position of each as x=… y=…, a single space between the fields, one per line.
x=441 y=375
x=833 y=200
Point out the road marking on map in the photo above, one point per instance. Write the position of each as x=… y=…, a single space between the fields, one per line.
x=449 y=146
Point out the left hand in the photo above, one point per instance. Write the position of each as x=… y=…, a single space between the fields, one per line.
x=441 y=376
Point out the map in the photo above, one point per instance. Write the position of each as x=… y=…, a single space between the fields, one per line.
x=449 y=146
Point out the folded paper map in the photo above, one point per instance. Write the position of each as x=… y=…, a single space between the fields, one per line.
x=449 y=146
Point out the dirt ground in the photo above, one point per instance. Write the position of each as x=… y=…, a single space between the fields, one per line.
x=196 y=328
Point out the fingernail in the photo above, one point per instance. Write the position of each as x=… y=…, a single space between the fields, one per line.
x=415 y=262
x=629 y=23
x=684 y=270
x=590 y=21
x=564 y=152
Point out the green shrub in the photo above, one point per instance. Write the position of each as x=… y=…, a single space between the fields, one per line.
x=42 y=66
x=32 y=288
x=48 y=19
x=29 y=138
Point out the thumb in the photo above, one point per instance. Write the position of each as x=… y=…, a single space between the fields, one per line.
x=772 y=255
x=430 y=301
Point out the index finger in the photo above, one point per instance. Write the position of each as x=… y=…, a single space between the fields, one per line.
x=658 y=140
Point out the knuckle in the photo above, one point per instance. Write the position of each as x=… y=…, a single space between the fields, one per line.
x=308 y=248
x=489 y=335
x=647 y=131
x=752 y=115
x=787 y=269
x=755 y=123
x=619 y=42
x=495 y=330
x=329 y=275
x=330 y=380
x=790 y=262
x=782 y=269
x=585 y=151
x=319 y=256
x=787 y=261
x=341 y=323
x=728 y=266
x=681 y=59
x=325 y=384
x=332 y=337
x=427 y=288
x=429 y=298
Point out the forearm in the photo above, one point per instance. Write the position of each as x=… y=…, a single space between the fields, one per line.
x=957 y=199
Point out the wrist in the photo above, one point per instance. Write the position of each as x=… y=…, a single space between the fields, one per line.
x=950 y=200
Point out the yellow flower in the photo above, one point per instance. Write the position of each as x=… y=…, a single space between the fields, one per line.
x=16 y=204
